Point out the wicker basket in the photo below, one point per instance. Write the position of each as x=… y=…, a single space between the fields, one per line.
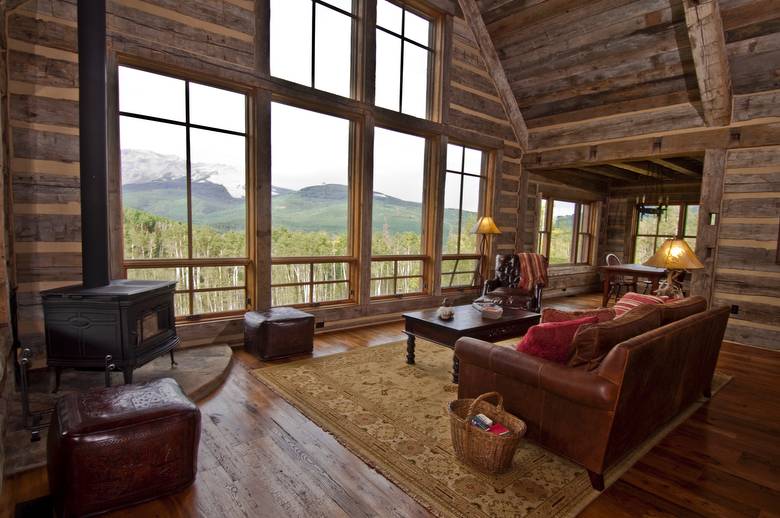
x=483 y=450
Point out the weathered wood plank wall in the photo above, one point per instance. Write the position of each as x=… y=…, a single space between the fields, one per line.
x=747 y=265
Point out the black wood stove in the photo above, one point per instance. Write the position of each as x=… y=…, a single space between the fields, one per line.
x=133 y=322
x=102 y=322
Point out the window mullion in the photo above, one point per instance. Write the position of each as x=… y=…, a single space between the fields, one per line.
x=188 y=165
x=401 y=75
x=313 y=38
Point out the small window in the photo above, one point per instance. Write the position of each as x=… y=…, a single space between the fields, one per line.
x=565 y=232
x=653 y=228
x=311 y=43
x=463 y=200
x=403 y=41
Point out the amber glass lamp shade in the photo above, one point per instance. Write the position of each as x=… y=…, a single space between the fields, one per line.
x=484 y=226
x=675 y=254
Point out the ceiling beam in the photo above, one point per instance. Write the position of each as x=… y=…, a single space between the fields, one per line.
x=676 y=167
x=708 y=45
x=634 y=169
x=609 y=174
x=489 y=55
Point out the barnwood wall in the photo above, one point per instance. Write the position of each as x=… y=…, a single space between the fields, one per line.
x=747 y=267
x=214 y=39
x=5 y=335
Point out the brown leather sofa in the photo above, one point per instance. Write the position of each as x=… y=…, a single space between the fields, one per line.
x=641 y=371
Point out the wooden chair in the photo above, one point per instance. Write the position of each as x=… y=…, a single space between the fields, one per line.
x=618 y=283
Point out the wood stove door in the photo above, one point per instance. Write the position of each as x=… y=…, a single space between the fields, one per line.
x=82 y=334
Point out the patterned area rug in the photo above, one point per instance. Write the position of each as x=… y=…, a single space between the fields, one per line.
x=394 y=417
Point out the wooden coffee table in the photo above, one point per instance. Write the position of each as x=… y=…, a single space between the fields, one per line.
x=466 y=322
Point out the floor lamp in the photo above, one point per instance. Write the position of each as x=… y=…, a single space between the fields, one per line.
x=484 y=227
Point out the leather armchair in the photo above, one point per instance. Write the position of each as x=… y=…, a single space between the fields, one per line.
x=503 y=289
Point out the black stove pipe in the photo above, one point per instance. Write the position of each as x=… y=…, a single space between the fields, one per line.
x=93 y=155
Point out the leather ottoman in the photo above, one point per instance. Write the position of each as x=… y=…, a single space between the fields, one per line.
x=119 y=446
x=278 y=332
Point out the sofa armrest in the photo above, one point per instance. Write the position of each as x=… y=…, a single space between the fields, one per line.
x=501 y=360
x=576 y=385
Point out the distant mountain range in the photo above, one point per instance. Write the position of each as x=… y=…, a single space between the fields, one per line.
x=156 y=183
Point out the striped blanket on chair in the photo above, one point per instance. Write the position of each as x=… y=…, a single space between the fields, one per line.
x=533 y=271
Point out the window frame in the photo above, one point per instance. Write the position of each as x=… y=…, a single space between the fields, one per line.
x=680 y=233
x=353 y=75
x=544 y=232
x=483 y=187
x=248 y=262
x=430 y=95
x=353 y=206
x=426 y=255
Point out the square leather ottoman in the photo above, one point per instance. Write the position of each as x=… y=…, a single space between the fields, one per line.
x=119 y=446
x=278 y=332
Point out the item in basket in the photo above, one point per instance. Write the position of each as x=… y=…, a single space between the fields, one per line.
x=482 y=421
x=498 y=429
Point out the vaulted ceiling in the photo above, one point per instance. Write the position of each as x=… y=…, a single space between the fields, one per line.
x=571 y=60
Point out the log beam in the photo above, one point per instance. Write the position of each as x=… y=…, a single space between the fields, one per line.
x=475 y=22
x=677 y=168
x=703 y=280
x=708 y=45
x=634 y=169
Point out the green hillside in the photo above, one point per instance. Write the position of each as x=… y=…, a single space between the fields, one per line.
x=318 y=208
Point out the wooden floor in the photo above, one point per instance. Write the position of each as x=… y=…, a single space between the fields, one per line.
x=260 y=457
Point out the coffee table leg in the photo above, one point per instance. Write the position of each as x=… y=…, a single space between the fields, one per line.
x=410 y=349
x=455 y=369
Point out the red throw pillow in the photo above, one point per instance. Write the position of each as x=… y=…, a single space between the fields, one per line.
x=631 y=300
x=558 y=315
x=552 y=341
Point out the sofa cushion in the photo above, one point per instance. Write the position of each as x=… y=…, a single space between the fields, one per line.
x=592 y=343
x=631 y=300
x=553 y=340
x=558 y=315
x=679 y=309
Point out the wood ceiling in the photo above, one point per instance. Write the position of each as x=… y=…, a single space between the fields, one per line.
x=608 y=175
x=574 y=60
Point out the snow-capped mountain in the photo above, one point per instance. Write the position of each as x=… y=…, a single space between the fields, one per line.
x=141 y=166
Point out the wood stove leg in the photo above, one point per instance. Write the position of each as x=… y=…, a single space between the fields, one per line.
x=128 y=374
x=173 y=362
x=57 y=377
x=596 y=480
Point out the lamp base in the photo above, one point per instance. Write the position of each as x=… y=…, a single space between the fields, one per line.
x=668 y=288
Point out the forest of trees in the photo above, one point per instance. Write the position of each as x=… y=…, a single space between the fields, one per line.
x=148 y=236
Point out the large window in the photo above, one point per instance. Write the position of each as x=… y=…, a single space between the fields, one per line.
x=311 y=43
x=653 y=229
x=183 y=166
x=397 y=214
x=565 y=233
x=310 y=238
x=463 y=195
x=404 y=57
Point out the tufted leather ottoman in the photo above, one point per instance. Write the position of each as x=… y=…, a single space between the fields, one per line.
x=120 y=446
x=278 y=332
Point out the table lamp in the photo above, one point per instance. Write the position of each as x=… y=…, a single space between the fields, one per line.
x=674 y=255
x=484 y=227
